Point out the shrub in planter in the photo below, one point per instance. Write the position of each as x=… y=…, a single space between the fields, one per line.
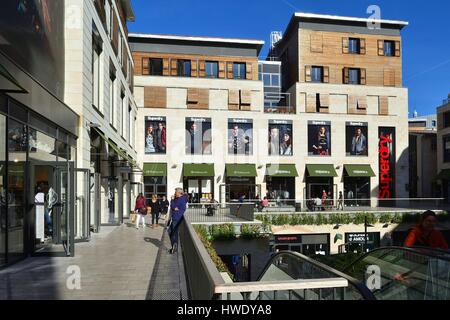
x=386 y=218
x=321 y=220
x=223 y=232
x=295 y=220
x=251 y=232
x=397 y=218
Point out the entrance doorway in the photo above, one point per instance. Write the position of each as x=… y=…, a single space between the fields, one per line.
x=315 y=188
x=236 y=188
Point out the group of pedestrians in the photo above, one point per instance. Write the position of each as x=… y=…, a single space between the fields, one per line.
x=156 y=207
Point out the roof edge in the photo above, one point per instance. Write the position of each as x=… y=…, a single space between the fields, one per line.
x=346 y=18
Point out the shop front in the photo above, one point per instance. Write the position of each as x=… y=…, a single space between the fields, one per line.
x=280 y=182
x=155 y=180
x=198 y=182
x=319 y=183
x=357 y=185
x=307 y=244
x=240 y=183
x=355 y=242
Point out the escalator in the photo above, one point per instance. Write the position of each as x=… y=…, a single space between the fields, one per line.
x=406 y=273
x=288 y=265
x=401 y=274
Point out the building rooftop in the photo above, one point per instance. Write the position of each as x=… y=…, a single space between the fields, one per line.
x=326 y=17
x=128 y=9
x=197 y=38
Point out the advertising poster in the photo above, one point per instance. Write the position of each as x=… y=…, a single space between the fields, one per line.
x=240 y=136
x=319 y=138
x=155 y=135
x=280 y=138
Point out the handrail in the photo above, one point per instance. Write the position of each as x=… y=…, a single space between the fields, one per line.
x=358 y=285
x=424 y=251
x=285 y=285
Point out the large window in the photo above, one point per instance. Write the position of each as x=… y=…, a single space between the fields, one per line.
x=156 y=67
x=198 y=136
x=239 y=71
x=212 y=69
x=3 y=193
x=316 y=74
x=354 y=45
x=280 y=138
x=240 y=136
x=96 y=68
x=155 y=135
x=319 y=138
x=446 y=145
x=112 y=98
x=356 y=139
x=184 y=68
x=447 y=119
x=123 y=111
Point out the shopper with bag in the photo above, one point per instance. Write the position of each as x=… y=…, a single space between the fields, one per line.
x=141 y=210
x=177 y=209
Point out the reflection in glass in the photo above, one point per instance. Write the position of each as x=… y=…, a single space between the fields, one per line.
x=3 y=194
x=198 y=137
x=17 y=145
x=240 y=136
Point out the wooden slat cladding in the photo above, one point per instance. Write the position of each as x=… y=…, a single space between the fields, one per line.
x=311 y=103
x=384 y=106
x=198 y=64
x=361 y=107
x=233 y=99
x=221 y=69
x=197 y=98
x=246 y=100
x=389 y=78
x=155 y=97
x=336 y=56
x=145 y=66
x=363 y=74
x=316 y=43
x=324 y=103
x=397 y=48
x=308 y=73
x=381 y=47
x=173 y=67
x=352 y=104
x=115 y=36
x=326 y=74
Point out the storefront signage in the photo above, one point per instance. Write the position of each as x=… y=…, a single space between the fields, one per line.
x=387 y=163
x=155 y=118
x=355 y=240
x=319 y=123
x=199 y=119
x=287 y=239
x=240 y=120
x=356 y=124
x=280 y=121
x=237 y=179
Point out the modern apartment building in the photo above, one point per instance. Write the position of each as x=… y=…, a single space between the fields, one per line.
x=345 y=76
x=423 y=157
x=443 y=147
x=99 y=88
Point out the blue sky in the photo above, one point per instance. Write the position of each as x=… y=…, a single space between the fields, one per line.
x=426 y=51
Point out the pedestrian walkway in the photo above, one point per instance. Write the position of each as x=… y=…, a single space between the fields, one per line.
x=118 y=263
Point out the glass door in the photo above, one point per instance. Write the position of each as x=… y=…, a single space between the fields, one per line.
x=82 y=222
x=95 y=199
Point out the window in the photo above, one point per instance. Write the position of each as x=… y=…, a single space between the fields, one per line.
x=239 y=70
x=317 y=74
x=433 y=123
x=96 y=67
x=129 y=122
x=212 y=69
x=354 y=45
x=112 y=98
x=184 y=68
x=446 y=145
x=122 y=110
x=389 y=48
x=156 y=67
x=275 y=80
x=354 y=76
x=447 y=119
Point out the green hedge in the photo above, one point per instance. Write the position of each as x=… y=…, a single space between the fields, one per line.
x=249 y=231
x=222 y=232
x=344 y=218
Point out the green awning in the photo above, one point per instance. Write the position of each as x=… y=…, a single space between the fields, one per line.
x=359 y=170
x=281 y=170
x=321 y=170
x=240 y=170
x=198 y=170
x=155 y=169
x=444 y=175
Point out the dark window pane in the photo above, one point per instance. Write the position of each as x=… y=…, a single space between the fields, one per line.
x=3 y=194
x=266 y=78
x=317 y=74
x=354 y=76
x=447 y=119
x=275 y=80
x=389 y=48
x=446 y=145
x=354 y=45
x=184 y=68
x=212 y=69
x=239 y=70
x=156 y=67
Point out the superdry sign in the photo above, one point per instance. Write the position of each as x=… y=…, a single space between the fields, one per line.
x=386 y=151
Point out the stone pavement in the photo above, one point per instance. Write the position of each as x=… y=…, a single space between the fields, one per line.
x=118 y=263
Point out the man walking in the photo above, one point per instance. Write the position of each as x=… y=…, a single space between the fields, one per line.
x=177 y=210
x=340 y=205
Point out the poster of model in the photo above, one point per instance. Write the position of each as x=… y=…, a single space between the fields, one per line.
x=280 y=138
x=198 y=136
x=155 y=135
x=240 y=136
x=356 y=139
x=319 y=138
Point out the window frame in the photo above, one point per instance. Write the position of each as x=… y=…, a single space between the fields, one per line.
x=313 y=79
x=446 y=155
x=181 y=70
x=386 y=44
x=212 y=75
x=151 y=69
x=358 y=80
x=238 y=74
x=357 y=48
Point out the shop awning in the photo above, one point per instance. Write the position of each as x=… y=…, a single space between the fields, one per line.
x=240 y=170
x=321 y=170
x=281 y=170
x=444 y=175
x=198 y=170
x=359 y=170
x=120 y=152
x=8 y=83
x=155 y=169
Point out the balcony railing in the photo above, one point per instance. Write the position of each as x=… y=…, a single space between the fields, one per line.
x=278 y=103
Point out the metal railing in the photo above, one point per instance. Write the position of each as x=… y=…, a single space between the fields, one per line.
x=206 y=283
x=220 y=212
x=280 y=103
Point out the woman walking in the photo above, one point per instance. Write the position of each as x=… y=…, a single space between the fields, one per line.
x=141 y=210
x=156 y=209
x=164 y=206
